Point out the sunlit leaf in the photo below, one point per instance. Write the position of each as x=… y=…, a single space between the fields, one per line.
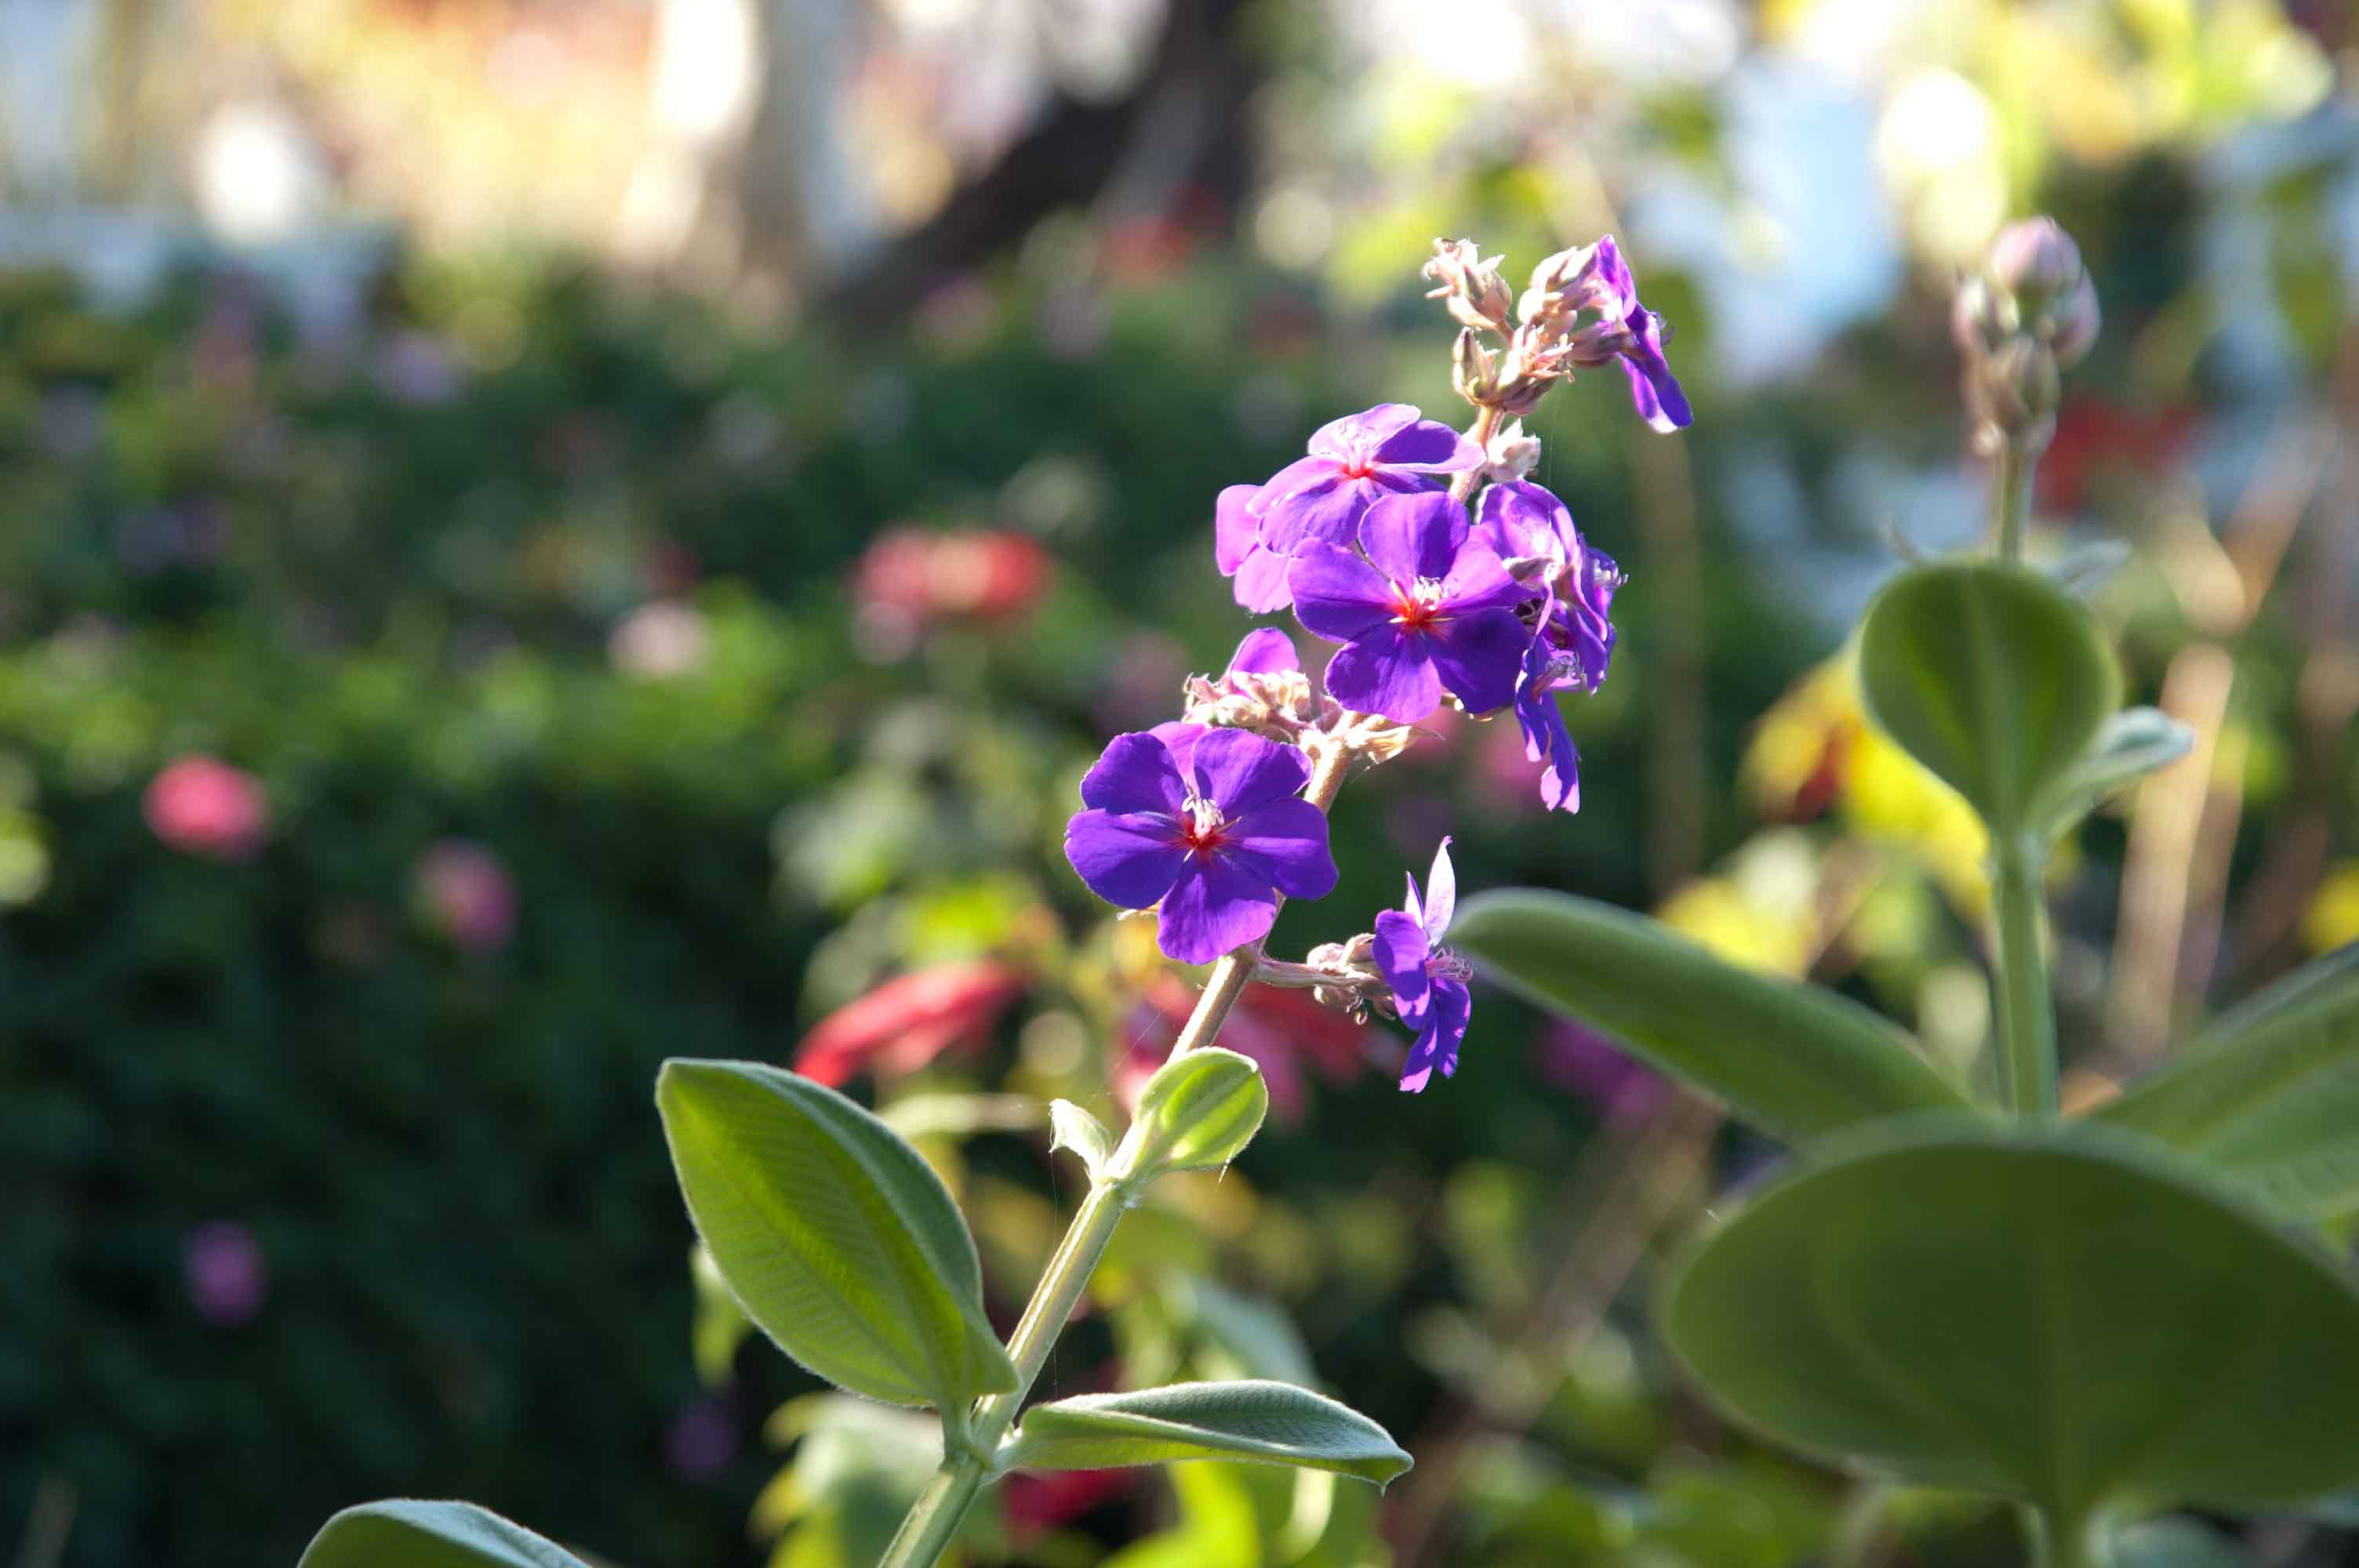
x=833 y=1234
x=1275 y=1424
x=1794 y=1059
x=410 y=1534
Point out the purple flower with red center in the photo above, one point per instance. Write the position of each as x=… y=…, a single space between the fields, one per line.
x=1211 y=846
x=1427 y=982
x=1426 y=608
x=1356 y=462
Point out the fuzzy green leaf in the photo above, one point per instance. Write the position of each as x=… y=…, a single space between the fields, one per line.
x=2052 y=1313
x=1990 y=675
x=2269 y=1093
x=1075 y=1129
x=1275 y=1424
x=833 y=1234
x=409 y=1534
x=1795 y=1060
x=2129 y=745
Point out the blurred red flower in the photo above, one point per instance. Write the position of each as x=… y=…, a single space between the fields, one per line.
x=201 y=806
x=906 y=1022
x=2092 y=438
x=917 y=576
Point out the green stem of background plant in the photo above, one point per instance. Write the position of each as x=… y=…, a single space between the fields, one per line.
x=2027 y=1017
x=2061 y=1541
x=2011 y=496
x=933 y=1521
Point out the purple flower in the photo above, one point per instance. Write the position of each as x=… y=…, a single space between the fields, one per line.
x=1354 y=463
x=1524 y=522
x=1429 y=985
x=1212 y=845
x=1265 y=651
x=1653 y=388
x=1428 y=609
x=228 y=1278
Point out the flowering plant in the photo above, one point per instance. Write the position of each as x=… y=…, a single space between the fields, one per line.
x=828 y=1228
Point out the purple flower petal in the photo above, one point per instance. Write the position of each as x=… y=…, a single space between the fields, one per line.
x=1429 y=447
x=1544 y=736
x=1653 y=388
x=1179 y=738
x=1477 y=581
x=1128 y=859
x=1237 y=527
x=1327 y=508
x=1357 y=436
x=1237 y=771
x=1437 y=1044
x=1286 y=842
x=1216 y=905
x=1476 y=657
x=1519 y=518
x=1386 y=671
x=1615 y=274
x=1137 y=773
x=1265 y=651
x=1441 y=902
x=1413 y=537
x=1261 y=581
x=1400 y=952
x=1337 y=595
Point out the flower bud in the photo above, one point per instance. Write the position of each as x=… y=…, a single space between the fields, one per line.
x=2035 y=261
x=2075 y=322
x=1469 y=286
x=1473 y=371
x=1510 y=455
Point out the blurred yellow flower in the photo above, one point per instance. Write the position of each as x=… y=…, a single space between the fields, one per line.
x=2332 y=918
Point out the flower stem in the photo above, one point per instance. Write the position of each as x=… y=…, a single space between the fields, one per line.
x=2066 y=1540
x=2011 y=496
x=2027 y=1063
x=933 y=1520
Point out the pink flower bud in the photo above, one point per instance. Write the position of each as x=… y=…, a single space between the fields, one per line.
x=466 y=894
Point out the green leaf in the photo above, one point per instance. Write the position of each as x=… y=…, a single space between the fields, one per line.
x=718 y=1325
x=1990 y=675
x=834 y=1234
x=409 y=1534
x=2044 y=1312
x=2129 y=745
x=1197 y=1113
x=2269 y=1092
x=1273 y=1424
x=1075 y=1129
x=1795 y=1060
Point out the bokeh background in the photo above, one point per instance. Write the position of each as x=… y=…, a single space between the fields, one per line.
x=541 y=535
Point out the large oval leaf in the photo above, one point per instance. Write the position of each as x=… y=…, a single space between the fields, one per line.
x=1990 y=675
x=833 y=1234
x=1275 y=1424
x=2269 y=1093
x=1795 y=1060
x=2049 y=1313
x=409 y=1534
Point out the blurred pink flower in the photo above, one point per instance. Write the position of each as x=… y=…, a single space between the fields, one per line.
x=228 y=1278
x=201 y=806
x=464 y=893
x=1580 y=1061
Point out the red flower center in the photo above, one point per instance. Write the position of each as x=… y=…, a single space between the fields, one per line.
x=1203 y=828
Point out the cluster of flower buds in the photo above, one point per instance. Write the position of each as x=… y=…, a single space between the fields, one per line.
x=1213 y=819
x=2029 y=315
x=1580 y=312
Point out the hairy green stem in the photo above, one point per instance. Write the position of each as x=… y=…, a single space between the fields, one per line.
x=2027 y=1018
x=933 y=1521
x=2066 y=1540
x=2011 y=496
